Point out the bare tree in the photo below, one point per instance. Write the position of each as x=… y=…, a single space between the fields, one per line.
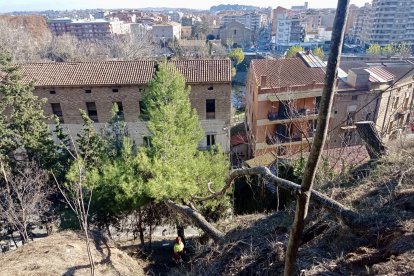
x=23 y=197
x=303 y=196
x=131 y=47
x=21 y=44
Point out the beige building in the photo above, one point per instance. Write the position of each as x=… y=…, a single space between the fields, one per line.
x=166 y=31
x=96 y=86
x=235 y=34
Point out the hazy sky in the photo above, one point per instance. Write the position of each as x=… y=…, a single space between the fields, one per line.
x=32 y=5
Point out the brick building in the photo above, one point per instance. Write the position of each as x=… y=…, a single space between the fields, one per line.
x=235 y=34
x=96 y=86
x=371 y=92
x=282 y=99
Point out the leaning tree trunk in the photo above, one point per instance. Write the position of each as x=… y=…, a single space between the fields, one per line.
x=303 y=196
x=197 y=219
x=373 y=141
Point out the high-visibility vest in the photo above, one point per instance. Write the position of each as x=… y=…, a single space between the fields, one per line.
x=178 y=247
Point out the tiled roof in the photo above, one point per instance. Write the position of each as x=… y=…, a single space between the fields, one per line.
x=286 y=72
x=379 y=74
x=121 y=72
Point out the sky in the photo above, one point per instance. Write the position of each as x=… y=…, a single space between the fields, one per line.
x=38 y=5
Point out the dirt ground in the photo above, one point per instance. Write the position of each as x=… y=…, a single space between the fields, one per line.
x=64 y=253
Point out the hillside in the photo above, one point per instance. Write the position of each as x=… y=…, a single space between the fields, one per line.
x=65 y=254
x=383 y=195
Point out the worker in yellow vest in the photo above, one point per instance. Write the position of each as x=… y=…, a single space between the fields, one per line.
x=178 y=249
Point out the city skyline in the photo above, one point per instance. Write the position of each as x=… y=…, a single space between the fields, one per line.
x=40 y=5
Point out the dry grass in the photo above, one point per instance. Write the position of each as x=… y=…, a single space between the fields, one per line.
x=65 y=254
x=382 y=193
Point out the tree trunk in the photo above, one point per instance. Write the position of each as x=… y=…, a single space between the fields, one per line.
x=373 y=141
x=197 y=219
x=140 y=228
x=303 y=195
x=180 y=232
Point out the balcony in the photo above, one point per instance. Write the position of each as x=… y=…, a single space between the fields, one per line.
x=290 y=116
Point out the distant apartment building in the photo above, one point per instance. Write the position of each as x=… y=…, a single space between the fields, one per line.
x=140 y=30
x=253 y=21
x=59 y=26
x=303 y=7
x=392 y=22
x=282 y=101
x=359 y=32
x=87 y=29
x=96 y=86
x=175 y=16
x=236 y=34
x=289 y=29
x=166 y=31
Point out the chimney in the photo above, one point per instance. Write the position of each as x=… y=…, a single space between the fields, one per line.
x=358 y=78
x=263 y=81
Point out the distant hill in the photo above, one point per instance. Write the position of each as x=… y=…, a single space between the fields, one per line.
x=229 y=7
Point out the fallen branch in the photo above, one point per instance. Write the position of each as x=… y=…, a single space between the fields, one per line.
x=348 y=216
x=197 y=219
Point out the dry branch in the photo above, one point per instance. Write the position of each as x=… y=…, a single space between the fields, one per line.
x=348 y=216
x=197 y=218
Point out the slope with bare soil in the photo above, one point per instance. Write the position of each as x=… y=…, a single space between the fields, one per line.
x=383 y=195
x=65 y=254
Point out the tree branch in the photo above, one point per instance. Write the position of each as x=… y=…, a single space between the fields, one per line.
x=197 y=219
x=348 y=216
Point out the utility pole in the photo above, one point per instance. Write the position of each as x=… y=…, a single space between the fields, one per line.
x=303 y=196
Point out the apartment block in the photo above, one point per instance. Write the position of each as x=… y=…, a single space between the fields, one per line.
x=392 y=22
x=87 y=29
x=253 y=21
x=96 y=86
x=282 y=101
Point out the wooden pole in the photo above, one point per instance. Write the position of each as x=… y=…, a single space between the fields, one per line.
x=303 y=196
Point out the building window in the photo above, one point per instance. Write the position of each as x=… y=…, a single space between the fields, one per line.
x=57 y=111
x=210 y=88
x=120 y=112
x=355 y=97
x=211 y=140
x=115 y=90
x=235 y=32
x=52 y=92
x=92 y=112
x=210 y=109
x=88 y=91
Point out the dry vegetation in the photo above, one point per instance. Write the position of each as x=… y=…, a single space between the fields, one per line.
x=382 y=193
x=65 y=254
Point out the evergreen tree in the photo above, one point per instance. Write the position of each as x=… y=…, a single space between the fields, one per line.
x=172 y=166
x=23 y=128
x=319 y=52
x=291 y=53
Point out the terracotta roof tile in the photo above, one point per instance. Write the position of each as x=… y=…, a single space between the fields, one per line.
x=121 y=72
x=286 y=72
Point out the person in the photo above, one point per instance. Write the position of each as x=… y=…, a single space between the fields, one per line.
x=178 y=249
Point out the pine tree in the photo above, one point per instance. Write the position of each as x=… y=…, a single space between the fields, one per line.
x=23 y=128
x=172 y=166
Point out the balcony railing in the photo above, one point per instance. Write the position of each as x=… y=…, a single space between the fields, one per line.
x=272 y=116
x=281 y=139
